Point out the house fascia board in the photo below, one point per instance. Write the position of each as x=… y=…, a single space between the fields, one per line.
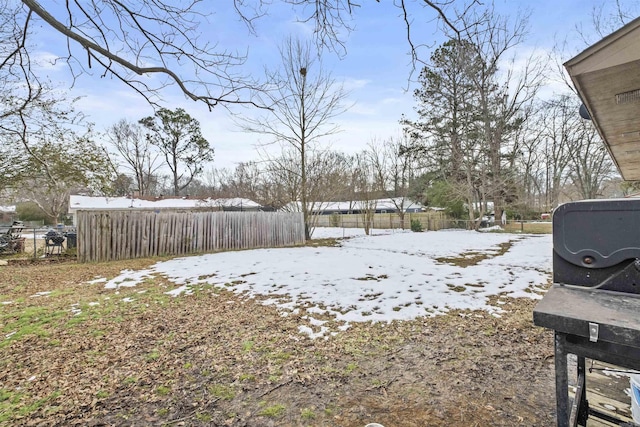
x=617 y=48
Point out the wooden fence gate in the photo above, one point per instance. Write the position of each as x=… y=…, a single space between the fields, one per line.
x=124 y=234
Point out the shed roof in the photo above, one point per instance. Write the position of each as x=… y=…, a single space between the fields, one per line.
x=105 y=203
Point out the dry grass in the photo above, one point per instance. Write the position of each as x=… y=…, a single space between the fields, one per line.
x=467 y=259
x=83 y=354
x=529 y=227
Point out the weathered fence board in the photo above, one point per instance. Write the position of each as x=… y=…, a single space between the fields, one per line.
x=115 y=235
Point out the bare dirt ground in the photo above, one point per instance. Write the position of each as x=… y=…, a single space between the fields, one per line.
x=86 y=355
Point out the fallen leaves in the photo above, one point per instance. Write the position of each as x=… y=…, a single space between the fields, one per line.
x=155 y=360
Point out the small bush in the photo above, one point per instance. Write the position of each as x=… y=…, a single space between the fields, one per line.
x=416 y=225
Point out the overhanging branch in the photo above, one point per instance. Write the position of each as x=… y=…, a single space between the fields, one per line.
x=93 y=49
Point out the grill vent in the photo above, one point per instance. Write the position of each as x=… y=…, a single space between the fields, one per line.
x=628 y=97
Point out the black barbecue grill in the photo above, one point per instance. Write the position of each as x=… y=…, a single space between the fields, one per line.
x=53 y=243
x=594 y=303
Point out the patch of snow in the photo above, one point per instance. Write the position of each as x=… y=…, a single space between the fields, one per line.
x=492 y=228
x=128 y=279
x=309 y=332
x=316 y=322
x=380 y=278
x=40 y=294
x=178 y=291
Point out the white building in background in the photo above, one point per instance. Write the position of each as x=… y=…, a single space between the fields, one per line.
x=78 y=203
x=354 y=207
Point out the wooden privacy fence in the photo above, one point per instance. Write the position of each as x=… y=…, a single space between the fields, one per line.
x=116 y=235
x=433 y=220
x=430 y=221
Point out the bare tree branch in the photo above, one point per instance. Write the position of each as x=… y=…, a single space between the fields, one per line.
x=94 y=50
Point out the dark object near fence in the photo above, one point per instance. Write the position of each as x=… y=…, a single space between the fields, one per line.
x=11 y=240
x=593 y=304
x=72 y=239
x=53 y=243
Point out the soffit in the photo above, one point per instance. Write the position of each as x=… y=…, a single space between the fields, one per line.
x=607 y=78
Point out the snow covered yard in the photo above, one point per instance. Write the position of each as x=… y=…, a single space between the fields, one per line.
x=399 y=328
x=390 y=275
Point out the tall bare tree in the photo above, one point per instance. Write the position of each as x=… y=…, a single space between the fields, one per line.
x=327 y=175
x=560 y=122
x=605 y=18
x=590 y=165
x=365 y=189
x=395 y=169
x=137 y=151
x=528 y=161
x=251 y=180
x=284 y=171
x=304 y=100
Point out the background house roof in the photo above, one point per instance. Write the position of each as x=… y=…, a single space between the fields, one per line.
x=607 y=78
x=381 y=204
x=104 y=203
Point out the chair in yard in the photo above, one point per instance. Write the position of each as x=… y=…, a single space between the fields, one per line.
x=11 y=238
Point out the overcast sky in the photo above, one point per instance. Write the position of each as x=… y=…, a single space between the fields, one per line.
x=376 y=69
